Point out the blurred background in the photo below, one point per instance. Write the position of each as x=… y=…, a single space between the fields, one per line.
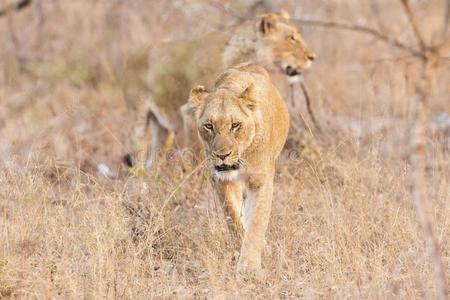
x=68 y=68
x=343 y=225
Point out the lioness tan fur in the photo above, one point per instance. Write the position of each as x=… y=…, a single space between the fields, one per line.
x=243 y=123
x=270 y=41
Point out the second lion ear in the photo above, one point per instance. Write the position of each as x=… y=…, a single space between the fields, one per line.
x=197 y=97
x=267 y=23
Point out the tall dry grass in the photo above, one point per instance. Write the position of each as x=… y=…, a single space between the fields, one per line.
x=342 y=224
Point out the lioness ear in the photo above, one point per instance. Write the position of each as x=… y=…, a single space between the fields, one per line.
x=196 y=98
x=267 y=23
x=248 y=97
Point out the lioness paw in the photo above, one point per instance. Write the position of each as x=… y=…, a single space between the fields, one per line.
x=246 y=273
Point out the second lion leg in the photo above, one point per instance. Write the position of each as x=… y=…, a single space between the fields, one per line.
x=161 y=141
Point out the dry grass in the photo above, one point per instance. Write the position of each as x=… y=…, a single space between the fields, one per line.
x=342 y=226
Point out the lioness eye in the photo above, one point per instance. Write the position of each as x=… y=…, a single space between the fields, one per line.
x=235 y=125
x=208 y=126
x=293 y=39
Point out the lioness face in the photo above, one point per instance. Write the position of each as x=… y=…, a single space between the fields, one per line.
x=226 y=127
x=284 y=45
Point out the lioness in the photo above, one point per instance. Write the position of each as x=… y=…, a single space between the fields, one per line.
x=271 y=42
x=243 y=123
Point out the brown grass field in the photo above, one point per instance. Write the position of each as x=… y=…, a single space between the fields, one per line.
x=343 y=224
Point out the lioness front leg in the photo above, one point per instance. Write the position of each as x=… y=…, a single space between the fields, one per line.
x=230 y=194
x=257 y=208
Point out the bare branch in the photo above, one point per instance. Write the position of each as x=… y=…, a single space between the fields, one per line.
x=414 y=24
x=15 y=41
x=446 y=26
x=430 y=58
x=362 y=29
x=308 y=106
x=419 y=192
x=375 y=10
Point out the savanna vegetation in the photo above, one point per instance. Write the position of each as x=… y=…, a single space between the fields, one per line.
x=343 y=222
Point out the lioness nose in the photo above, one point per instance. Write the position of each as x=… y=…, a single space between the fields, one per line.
x=290 y=71
x=223 y=156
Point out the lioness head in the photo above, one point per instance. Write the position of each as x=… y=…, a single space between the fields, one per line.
x=226 y=126
x=283 y=45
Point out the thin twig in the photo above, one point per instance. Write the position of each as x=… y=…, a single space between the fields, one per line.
x=395 y=59
x=376 y=12
x=20 y=57
x=362 y=29
x=304 y=122
x=446 y=26
x=415 y=25
x=292 y=92
x=308 y=106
